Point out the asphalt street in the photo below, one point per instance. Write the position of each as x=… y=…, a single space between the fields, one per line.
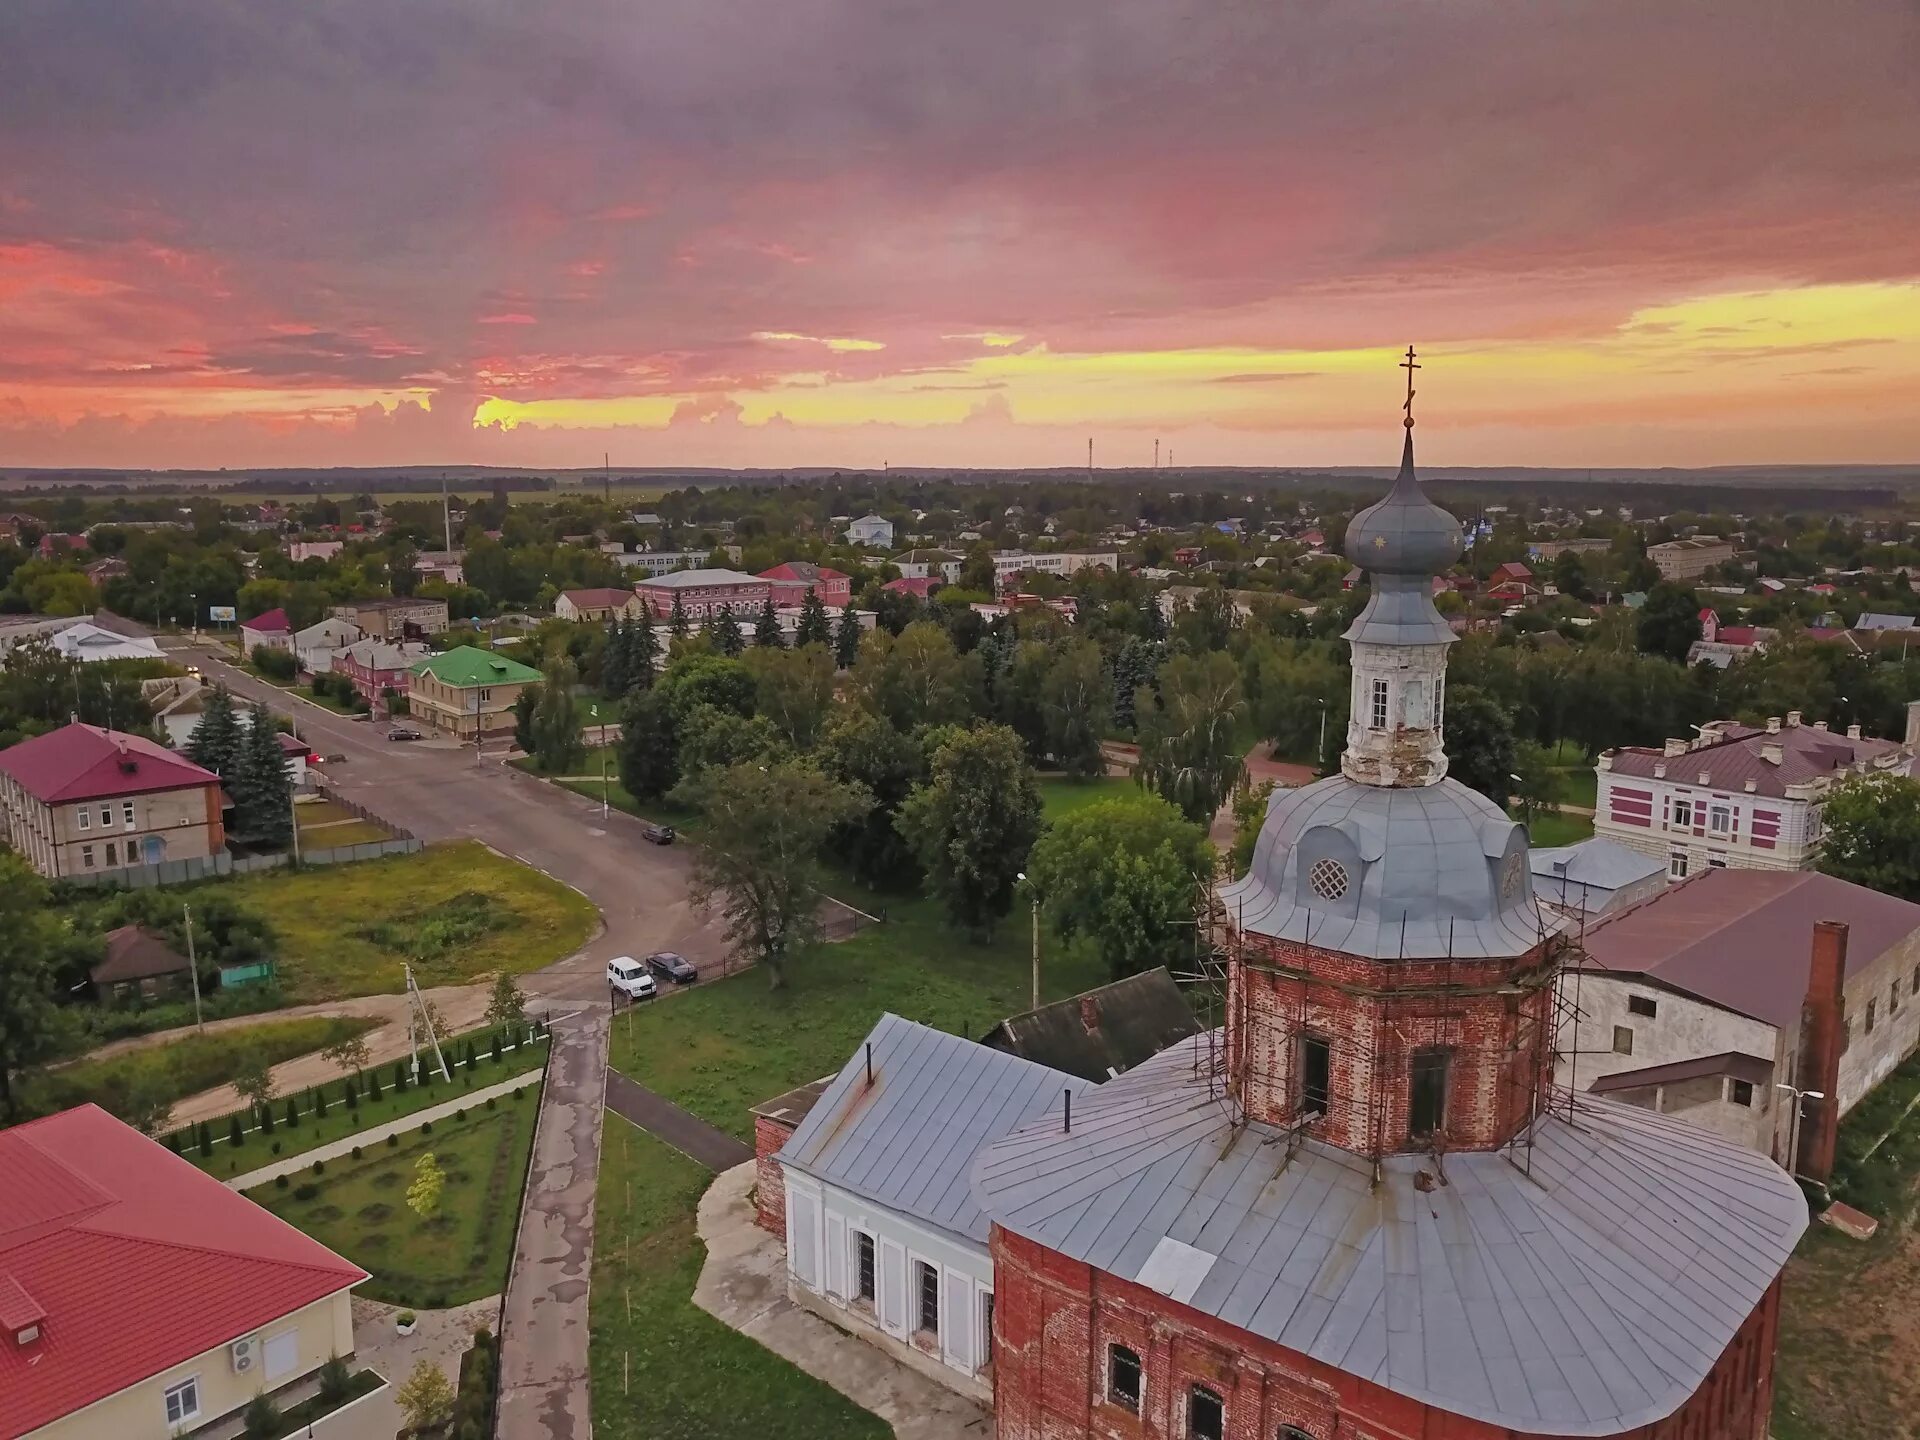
x=440 y=792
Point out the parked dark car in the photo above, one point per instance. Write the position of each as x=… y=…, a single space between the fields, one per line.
x=669 y=966
x=658 y=834
x=404 y=732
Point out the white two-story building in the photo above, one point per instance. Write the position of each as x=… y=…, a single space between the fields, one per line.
x=1737 y=796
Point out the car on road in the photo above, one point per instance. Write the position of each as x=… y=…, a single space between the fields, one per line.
x=404 y=732
x=193 y=669
x=630 y=978
x=669 y=966
x=658 y=834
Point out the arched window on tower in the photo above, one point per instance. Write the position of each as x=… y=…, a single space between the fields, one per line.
x=1316 y=1073
x=1206 y=1414
x=1292 y=1432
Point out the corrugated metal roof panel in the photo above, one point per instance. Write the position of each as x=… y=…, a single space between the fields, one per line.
x=1585 y=1298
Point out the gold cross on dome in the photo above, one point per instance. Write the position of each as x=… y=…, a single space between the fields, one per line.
x=1409 y=366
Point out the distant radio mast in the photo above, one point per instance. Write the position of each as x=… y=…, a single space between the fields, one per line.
x=1156 y=452
x=1089 y=454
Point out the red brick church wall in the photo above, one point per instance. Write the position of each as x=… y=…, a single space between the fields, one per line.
x=1054 y=1318
x=770 y=1180
x=1496 y=1019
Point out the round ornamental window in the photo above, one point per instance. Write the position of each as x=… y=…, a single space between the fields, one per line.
x=1510 y=876
x=1328 y=879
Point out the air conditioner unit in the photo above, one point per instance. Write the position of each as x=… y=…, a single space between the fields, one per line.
x=243 y=1354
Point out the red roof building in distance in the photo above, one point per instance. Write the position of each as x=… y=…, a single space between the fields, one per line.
x=273 y=630
x=82 y=798
x=1738 y=796
x=131 y=1281
x=792 y=581
x=271 y=622
x=920 y=588
x=1512 y=570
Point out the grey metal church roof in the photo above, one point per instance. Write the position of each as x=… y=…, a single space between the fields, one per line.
x=1587 y=1297
x=908 y=1140
x=1431 y=871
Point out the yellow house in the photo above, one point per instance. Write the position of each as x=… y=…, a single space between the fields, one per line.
x=467 y=692
x=141 y=1299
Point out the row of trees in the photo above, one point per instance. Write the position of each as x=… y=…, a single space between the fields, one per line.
x=248 y=759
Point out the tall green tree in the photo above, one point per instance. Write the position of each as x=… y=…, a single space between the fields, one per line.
x=677 y=622
x=766 y=630
x=1125 y=874
x=1480 y=746
x=1189 y=754
x=861 y=748
x=1074 y=696
x=727 y=638
x=972 y=823
x=1873 y=833
x=215 y=742
x=526 y=705
x=33 y=1028
x=760 y=865
x=262 y=789
x=916 y=678
x=556 y=720
x=846 y=639
x=793 y=689
x=814 y=628
x=649 y=745
x=1668 y=622
x=616 y=659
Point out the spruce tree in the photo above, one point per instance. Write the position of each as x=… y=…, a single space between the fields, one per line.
x=727 y=637
x=814 y=627
x=235 y=1138
x=846 y=640
x=261 y=788
x=643 y=659
x=766 y=630
x=203 y=1139
x=613 y=660
x=678 y=621
x=215 y=742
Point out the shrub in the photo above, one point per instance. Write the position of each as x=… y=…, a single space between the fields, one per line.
x=173 y=1142
x=234 y=1137
x=279 y=1182
x=460 y=1114
x=426 y=1127
x=335 y=1381
x=400 y=1075
x=406 y=1317
x=319 y=1102
x=305 y=1190
x=493 y=1102
x=373 y=1085
x=319 y=1167
x=356 y=1152
x=496 y=1044
x=263 y=1416
x=392 y=1140
x=293 y=1111
x=205 y=1137
x=276 y=1147
x=265 y=1118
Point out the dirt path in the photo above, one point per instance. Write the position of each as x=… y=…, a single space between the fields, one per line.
x=461 y=1007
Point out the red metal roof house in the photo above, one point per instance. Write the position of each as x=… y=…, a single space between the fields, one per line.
x=144 y=1293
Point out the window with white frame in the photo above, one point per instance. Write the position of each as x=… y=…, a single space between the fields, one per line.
x=1379 y=716
x=126 y=814
x=926 y=1286
x=106 y=817
x=1719 y=819
x=1682 y=814
x=1677 y=865
x=863 y=1267
x=86 y=818
x=183 y=1402
x=86 y=856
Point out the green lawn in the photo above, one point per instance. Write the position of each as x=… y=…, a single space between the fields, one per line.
x=351 y=832
x=1577 y=787
x=660 y=1369
x=588 y=764
x=1061 y=796
x=257 y=1150
x=359 y=1207
x=458 y=912
x=727 y=1044
x=184 y=1065
x=1555 y=828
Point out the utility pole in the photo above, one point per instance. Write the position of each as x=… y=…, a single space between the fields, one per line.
x=1089 y=455
x=193 y=966
x=1034 y=890
x=1156 y=452
x=446 y=514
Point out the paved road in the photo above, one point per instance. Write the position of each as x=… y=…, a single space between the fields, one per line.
x=543 y=1324
x=664 y=1120
x=442 y=793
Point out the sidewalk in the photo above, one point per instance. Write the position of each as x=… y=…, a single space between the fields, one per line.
x=743 y=1284
x=374 y=1135
x=664 y=1120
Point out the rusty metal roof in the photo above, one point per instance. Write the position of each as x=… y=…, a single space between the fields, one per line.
x=1750 y=1068
x=1806 y=753
x=1742 y=939
x=1102 y=1032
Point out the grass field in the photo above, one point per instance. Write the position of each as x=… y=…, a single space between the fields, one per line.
x=457 y=912
x=186 y=1065
x=359 y=1207
x=1061 y=796
x=256 y=1149
x=726 y=1044
x=660 y=1369
x=1557 y=828
x=349 y=832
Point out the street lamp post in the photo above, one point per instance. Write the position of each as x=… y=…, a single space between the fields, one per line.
x=1034 y=890
x=1320 y=755
x=1793 y=1122
x=193 y=614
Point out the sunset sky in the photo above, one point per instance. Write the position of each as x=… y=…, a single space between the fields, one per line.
x=847 y=232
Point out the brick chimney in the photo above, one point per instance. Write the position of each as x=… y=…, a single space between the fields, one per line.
x=1853 y=732
x=1822 y=1032
x=1793 y=719
x=1773 y=725
x=1676 y=747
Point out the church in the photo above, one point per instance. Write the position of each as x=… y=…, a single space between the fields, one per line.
x=1357 y=1209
